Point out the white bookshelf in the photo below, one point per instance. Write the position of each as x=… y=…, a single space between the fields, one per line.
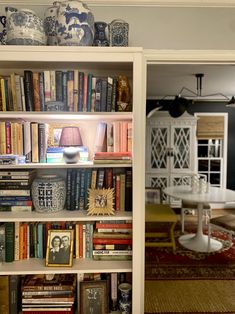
x=103 y=61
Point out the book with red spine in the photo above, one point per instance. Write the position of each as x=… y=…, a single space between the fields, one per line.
x=111 y=241
x=113 y=225
x=112 y=155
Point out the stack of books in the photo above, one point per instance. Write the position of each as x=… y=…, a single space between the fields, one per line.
x=42 y=295
x=15 y=190
x=112 y=240
x=112 y=157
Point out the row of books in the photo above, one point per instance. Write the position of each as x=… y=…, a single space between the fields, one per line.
x=112 y=240
x=24 y=240
x=113 y=137
x=15 y=190
x=10 y=294
x=34 y=139
x=40 y=294
x=79 y=181
x=55 y=90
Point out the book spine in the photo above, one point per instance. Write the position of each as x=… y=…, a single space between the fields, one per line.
x=22 y=89
x=18 y=92
x=89 y=92
x=28 y=90
x=8 y=137
x=93 y=93
x=2 y=138
x=70 y=85
x=112 y=252
x=64 y=89
x=80 y=90
x=41 y=91
x=103 y=98
x=114 y=293
x=42 y=142
x=17 y=241
x=85 y=91
x=53 y=85
x=59 y=84
x=36 y=92
x=98 y=88
x=3 y=241
x=113 y=225
x=4 y=295
x=122 y=191
x=114 y=95
x=13 y=91
x=34 y=142
x=15 y=193
x=10 y=251
x=75 y=90
x=14 y=283
x=111 y=241
x=27 y=141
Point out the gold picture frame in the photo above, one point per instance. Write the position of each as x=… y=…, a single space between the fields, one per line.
x=59 y=248
x=101 y=202
x=93 y=297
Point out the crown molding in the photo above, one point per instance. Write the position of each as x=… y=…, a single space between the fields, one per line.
x=154 y=56
x=137 y=3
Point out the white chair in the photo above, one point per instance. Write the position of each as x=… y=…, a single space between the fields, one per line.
x=188 y=206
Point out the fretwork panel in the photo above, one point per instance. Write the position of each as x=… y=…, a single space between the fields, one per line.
x=181 y=150
x=159 y=144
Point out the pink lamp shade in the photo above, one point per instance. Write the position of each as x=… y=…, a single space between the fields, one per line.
x=70 y=136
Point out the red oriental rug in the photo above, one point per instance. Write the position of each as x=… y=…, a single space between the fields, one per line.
x=184 y=264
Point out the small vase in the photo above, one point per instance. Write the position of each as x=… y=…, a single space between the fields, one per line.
x=75 y=24
x=101 y=34
x=24 y=27
x=125 y=298
x=118 y=32
x=48 y=193
x=50 y=17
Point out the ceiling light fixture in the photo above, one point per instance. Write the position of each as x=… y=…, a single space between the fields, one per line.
x=180 y=104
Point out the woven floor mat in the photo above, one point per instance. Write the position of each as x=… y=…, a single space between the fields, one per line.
x=189 y=296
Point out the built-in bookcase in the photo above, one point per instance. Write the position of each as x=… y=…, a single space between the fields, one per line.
x=108 y=61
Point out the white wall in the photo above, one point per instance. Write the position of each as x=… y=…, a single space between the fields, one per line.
x=171 y=28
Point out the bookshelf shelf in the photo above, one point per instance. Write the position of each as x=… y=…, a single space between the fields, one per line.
x=88 y=164
x=60 y=216
x=37 y=266
x=100 y=61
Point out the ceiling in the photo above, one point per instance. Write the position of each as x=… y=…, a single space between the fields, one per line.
x=164 y=80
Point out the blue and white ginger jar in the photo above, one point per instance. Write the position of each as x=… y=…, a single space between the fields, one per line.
x=48 y=193
x=24 y=27
x=50 y=18
x=75 y=24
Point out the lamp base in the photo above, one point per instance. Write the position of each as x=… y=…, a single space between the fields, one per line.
x=71 y=155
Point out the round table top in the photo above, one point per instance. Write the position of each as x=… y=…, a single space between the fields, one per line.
x=214 y=194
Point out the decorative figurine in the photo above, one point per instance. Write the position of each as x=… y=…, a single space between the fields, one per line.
x=101 y=34
x=123 y=94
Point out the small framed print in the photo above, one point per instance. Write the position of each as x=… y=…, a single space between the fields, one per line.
x=100 y=202
x=93 y=297
x=153 y=195
x=59 y=248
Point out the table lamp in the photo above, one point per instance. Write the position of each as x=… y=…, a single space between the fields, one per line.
x=70 y=139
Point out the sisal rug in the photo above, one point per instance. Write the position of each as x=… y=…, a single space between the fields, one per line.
x=163 y=264
x=190 y=296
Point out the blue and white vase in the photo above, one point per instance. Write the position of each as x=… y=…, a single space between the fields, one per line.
x=50 y=18
x=124 y=290
x=3 y=31
x=75 y=24
x=24 y=27
x=48 y=193
x=101 y=34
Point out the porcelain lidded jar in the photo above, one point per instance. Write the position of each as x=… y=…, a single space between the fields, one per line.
x=48 y=193
x=50 y=18
x=75 y=24
x=24 y=27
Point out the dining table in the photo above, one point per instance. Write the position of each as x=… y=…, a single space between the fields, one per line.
x=200 y=241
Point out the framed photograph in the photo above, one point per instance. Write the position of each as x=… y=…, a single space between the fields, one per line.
x=100 y=202
x=93 y=297
x=59 y=248
x=153 y=195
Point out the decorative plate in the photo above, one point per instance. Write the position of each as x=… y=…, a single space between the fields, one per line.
x=3 y=31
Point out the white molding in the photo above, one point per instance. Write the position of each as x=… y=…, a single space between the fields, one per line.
x=154 y=56
x=138 y=3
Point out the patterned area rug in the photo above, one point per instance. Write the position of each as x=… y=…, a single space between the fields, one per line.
x=163 y=264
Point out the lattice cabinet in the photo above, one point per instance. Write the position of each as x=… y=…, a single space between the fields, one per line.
x=170 y=150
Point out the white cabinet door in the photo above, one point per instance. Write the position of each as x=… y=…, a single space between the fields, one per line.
x=170 y=150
